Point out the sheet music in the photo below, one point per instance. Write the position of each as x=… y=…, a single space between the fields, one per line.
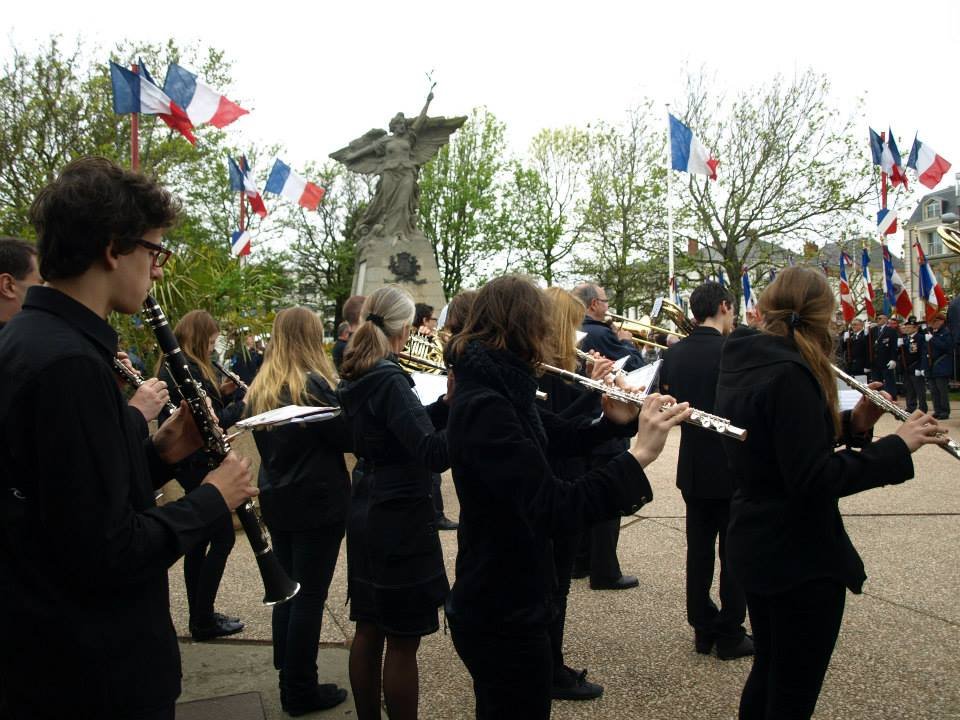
x=847 y=396
x=289 y=414
x=647 y=377
x=429 y=388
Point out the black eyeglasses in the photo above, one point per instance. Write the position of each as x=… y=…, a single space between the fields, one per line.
x=160 y=254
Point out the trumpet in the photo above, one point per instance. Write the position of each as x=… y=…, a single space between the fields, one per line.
x=638 y=329
x=952 y=446
x=674 y=313
x=699 y=418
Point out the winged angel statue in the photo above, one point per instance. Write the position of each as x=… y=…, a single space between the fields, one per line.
x=396 y=157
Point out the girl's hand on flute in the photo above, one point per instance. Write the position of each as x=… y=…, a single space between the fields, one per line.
x=655 y=423
x=921 y=429
x=865 y=413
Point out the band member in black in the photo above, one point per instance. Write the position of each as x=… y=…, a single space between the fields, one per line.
x=786 y=542
x=351 y=315
x=304 y=496
x=396 y=575
x=84 y=550
x=18 y=272
x=203 y=565
x=689 y=373
x=511 y=504
x=913 y=357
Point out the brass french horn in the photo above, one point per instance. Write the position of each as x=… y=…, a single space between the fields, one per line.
x=422 y=353
x=950 y=237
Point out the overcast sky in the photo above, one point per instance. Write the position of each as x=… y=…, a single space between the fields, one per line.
x=316 y=76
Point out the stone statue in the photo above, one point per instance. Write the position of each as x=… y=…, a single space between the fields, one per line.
x=396 y=157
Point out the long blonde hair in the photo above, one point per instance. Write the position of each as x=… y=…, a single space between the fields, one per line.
x=295 y=350
x=193 y=334
x=799 y=305
x=390 y=306
x=566 y=313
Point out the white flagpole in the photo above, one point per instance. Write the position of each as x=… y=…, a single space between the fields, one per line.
x=669 y=214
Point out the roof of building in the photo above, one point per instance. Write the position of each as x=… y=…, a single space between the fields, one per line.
x=948 y=195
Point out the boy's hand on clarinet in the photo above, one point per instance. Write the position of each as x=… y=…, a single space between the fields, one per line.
x=233 y=479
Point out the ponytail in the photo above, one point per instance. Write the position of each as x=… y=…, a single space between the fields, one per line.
x=385 y=314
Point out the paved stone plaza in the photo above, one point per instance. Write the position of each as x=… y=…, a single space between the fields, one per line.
x=897 y=658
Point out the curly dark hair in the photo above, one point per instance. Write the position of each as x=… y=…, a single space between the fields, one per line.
x=94 y=203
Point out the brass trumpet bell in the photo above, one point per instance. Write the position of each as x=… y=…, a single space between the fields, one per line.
x=638 y=329
x=674 y=313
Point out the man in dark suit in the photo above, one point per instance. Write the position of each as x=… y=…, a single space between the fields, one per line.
x=855 y=342
x=689 y=373
x=887 y=354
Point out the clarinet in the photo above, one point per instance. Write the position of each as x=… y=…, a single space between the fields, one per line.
x=278 y=586
x=133 y=379
x=230 y=375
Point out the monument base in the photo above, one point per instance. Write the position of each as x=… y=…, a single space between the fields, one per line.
x=407 y=262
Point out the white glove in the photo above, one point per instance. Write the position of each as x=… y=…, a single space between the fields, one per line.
x=928 y=337
x=899 y=342
x=922 y=373
x=892 y=365
x=846 y=335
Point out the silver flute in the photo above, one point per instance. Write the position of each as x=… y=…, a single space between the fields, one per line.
x=700 y=418
x=952 y=446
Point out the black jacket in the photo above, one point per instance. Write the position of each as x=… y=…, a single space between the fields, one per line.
x=602 y=338
x=689 y=372
x=785 y=526
x=84 y=551
x=511 y=504
x=303 y=477
x=886 y=347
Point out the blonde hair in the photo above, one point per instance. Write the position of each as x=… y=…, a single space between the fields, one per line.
x=193 y=334
x=565 y=316
x=799 y=305
x=295 y=350
x=391 y=306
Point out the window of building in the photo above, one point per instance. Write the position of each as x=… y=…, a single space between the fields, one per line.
x=931 y=209
x=934 y=244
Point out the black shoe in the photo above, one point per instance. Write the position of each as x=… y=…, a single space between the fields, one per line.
x=217 y=628
x=624 y=582
x=568 y=684
x=326 y=696
x=229 y=618
x=743 y=647
x=703 y=641
x=445 y=523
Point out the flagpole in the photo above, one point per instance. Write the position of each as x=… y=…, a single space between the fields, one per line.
x=135 y=132
x=669 y=165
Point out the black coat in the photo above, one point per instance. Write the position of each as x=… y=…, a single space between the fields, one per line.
x=856 y=352
x=886 y=347
x=511 y=504
x=785 y=526
x=602 y=338
x=303 y=477
x=689 y=372
x=84 y=552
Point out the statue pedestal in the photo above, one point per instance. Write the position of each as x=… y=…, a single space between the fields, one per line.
x=408 y=263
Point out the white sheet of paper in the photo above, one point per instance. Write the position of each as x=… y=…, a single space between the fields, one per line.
x=580 y=336
x=646 y=377
x=429 y=388
x=847 y=396
x=289 y=414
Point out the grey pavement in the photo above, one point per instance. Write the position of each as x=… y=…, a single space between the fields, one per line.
x=897 y=657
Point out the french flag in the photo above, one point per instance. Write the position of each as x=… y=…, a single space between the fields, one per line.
x=137 y=93
x=242 y=181
x=886 y=221
x=887 y=156
x=867 y=284
x=929 y=166
x=846 y=297
x=240 y=243
x=749 y=305
x=688 y=154
x=283 y=181
x=203 y=104
x=933 y=296
x=893 y=289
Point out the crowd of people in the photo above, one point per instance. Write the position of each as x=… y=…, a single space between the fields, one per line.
x=542 y=482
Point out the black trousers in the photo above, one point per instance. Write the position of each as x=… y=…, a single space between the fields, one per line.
x=794 y=633
x=598 y=551
x=203 y=568
x=564 y=551
x=437 y=495
x=309 y=557
x=512 y=670
x=940 y=390
x=707 y=519
x=915 y=388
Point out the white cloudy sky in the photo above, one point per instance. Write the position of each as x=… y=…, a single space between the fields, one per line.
x=318 y=75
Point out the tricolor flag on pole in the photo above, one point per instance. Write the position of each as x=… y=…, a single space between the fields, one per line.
x=240 y=243
x=688 y=154
x=283 y=181
x=242 y=181
x=137 y=93
x=846 y=297
x=203 y=104
x=933 y=296
x=893 y=288
x=930 y=167
x=886 y=221
x=867 y=285
x=887 y=156
x=749 y=305
x=721 y=278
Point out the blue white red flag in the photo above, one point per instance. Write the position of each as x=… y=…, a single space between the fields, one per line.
x=240 y=243
x=893 y=288
x=867 y=285
x=886 y=221
x=930 y=290
x=203 y=104
x=283 y=181
x=241 y=180
x=846 y=297
x=688 y=154
x=721 y=278
x=930 y=167
x=137 y=93
x=749 y=305
x=773 y=275
x=887 y=156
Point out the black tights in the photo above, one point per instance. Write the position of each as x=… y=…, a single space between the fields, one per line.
x=203 y=568
x=401 y=683
x=794 y=633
